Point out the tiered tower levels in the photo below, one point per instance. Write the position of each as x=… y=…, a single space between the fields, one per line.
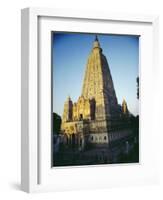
x=97 y=108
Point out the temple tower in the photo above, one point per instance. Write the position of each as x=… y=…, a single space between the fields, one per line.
x=124 y=107
x=96 y=116
x=68 y=108
x=98 y=83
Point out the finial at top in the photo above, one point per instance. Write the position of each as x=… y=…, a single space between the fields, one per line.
x=96 y=38
x=69 y=98
x=96 y=43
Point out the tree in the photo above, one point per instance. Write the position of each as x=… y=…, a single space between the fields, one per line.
x=137 y=80
x=56 y=123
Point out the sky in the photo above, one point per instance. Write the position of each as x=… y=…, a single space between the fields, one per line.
x=70 y=52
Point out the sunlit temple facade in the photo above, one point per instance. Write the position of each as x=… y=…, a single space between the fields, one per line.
x=96 y=118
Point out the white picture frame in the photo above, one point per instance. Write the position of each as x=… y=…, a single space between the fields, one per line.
x=36 y=171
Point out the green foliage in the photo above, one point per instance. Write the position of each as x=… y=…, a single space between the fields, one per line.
x=137 y=80
x=56 y=121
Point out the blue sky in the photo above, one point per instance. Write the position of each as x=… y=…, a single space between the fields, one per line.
x=70 y=52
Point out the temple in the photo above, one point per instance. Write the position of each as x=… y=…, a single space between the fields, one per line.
x=96 y=118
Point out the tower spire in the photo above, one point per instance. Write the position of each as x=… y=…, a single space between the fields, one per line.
x=96 y=43
x=96 y=38
x=98 y=83
x=124 y=107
